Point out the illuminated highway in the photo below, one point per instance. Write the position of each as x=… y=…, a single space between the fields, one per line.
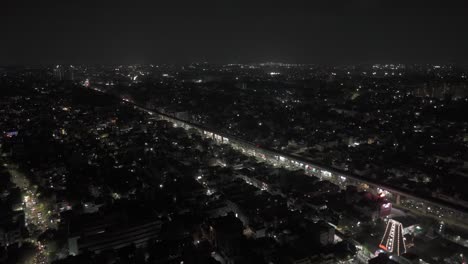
x=425 y=206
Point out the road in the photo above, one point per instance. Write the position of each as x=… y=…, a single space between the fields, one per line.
x=37 y=218
x=454 y=213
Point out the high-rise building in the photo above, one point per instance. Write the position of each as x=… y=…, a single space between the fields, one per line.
x=58 y=72
x=64 y=72
x=393 y=240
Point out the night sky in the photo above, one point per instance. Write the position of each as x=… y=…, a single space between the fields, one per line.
x=233 y=31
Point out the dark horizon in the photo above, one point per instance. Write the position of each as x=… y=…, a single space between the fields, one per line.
x=260 y=63
x=336 y=32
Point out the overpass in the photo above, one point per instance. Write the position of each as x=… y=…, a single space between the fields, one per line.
x=438 y=209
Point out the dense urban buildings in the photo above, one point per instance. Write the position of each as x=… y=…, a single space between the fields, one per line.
x=234 y=132
x=238 y=163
